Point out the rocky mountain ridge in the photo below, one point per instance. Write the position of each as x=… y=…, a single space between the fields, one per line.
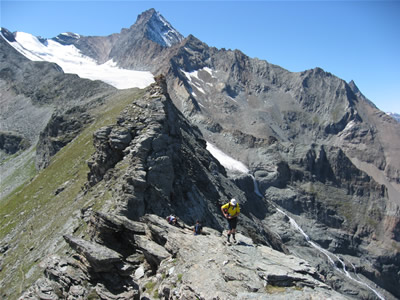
x=122 y=252
x=315 y=145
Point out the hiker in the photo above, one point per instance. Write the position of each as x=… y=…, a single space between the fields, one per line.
x=171 y=219
x=231 y=210
x=198 y=228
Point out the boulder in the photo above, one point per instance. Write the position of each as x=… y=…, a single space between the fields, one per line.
x=153 y=252
x=101 y=259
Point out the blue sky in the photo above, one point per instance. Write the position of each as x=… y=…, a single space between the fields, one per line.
x=354 y=40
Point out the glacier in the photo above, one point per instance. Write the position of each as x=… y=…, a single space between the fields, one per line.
x=71 y=60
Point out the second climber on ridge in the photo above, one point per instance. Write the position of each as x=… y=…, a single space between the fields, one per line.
x=231 y=210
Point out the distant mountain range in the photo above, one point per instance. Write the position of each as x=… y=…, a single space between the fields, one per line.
x=394 y=116
x=313 y=163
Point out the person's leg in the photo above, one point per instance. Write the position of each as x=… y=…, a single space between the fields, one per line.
x=229 y=229
x=233 y=231
x=229 y=235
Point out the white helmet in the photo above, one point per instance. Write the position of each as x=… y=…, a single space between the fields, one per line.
x=233 y=201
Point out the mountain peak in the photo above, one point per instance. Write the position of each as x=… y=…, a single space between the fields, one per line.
x=158 y=29
x=354 y=87
x=8 y=35
x=145 y=16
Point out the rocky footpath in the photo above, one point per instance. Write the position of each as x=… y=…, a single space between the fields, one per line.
x=151 y=259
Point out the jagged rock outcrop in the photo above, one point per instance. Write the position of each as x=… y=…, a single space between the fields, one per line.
x=11 y=142
x=59 y=131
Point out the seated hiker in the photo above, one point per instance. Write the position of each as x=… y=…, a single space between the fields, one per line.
x=231 y=210
x=198 y=228
x=171 y=219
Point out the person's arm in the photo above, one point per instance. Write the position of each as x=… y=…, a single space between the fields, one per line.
x=223 y=212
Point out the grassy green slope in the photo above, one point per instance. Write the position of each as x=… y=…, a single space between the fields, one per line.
x=33 y=218
x=23 y=170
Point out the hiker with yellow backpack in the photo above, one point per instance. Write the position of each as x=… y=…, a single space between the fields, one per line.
x=231 y=210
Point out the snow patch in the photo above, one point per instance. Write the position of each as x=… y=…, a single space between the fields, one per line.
x=189 y=75
x=161 y=32
x=195 y=75
x=197 y=86
x=349 y=125
x=71 y=34
x=171 y=36
x=228 y=162
x=209 y=71
x=71 y=60
x=229 y=97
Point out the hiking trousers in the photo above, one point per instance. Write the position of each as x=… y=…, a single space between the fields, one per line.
x=232 y=223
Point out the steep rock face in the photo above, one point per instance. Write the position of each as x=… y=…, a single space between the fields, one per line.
x=158 y=29
x=147 y=44
x=337 y=205
x=19 y=112
x=378 y=133
x=60 y=130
